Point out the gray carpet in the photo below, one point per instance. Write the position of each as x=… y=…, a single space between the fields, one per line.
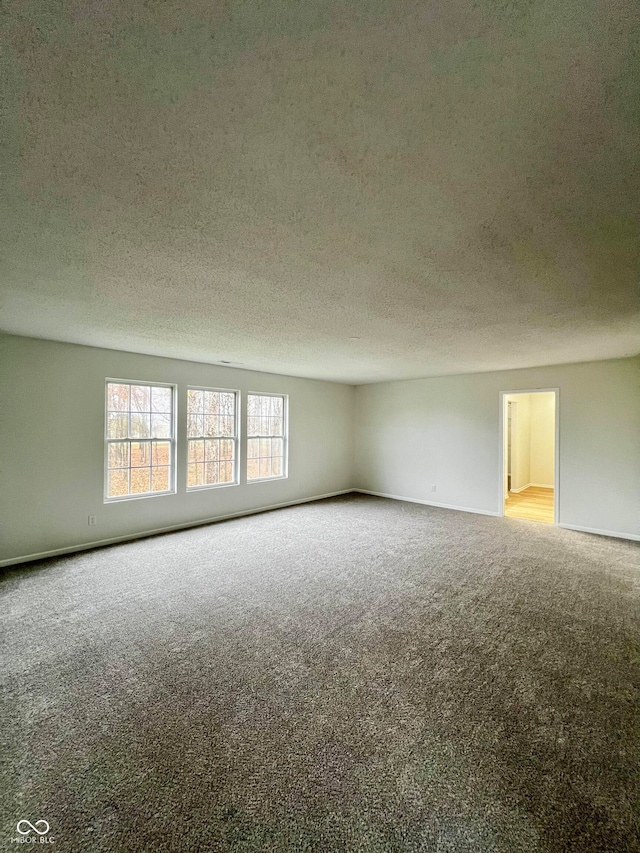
x=351 y=675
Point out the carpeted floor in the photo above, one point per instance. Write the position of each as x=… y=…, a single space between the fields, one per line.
x=351 y=675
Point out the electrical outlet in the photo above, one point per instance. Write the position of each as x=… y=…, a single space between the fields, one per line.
x=433 y=487
x=91 y=520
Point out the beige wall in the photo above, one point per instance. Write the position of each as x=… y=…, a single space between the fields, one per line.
x=542 y=438
x=52 y=451
x=445 y=431
x=520 y=440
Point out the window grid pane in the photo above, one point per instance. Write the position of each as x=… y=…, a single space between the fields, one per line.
x=265 y=436
x=139 y=439
x=211 y=437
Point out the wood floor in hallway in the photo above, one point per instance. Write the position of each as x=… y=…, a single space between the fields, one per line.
x=534 y=503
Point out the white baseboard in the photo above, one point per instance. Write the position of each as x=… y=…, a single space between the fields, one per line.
x=632 y=536
x=129 y=537
x=427 y=503
x=534 y=485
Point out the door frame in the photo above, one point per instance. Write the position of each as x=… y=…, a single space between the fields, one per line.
x=556 y=472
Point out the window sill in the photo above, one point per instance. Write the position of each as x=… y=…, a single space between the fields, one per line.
x=211 y=486
x=267 y=479
x=138 y=497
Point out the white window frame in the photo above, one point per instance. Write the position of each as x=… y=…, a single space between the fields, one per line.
x=285 y=438
x=235 y=439
x=172 y=441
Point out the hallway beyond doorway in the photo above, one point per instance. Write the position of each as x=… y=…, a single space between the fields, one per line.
x=529 y=432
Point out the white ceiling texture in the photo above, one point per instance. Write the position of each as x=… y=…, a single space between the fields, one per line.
x=356 y=191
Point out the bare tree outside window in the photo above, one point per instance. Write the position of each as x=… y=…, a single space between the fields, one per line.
x=139 y=439
x=266 y=436
x=212 y=437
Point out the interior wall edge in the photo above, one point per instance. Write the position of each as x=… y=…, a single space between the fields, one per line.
x=455 y=507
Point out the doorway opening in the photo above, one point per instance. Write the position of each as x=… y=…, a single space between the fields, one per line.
x=529 y=437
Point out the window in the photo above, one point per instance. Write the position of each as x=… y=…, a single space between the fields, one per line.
x=140 y=440
x=267 y=436
x=212 y=437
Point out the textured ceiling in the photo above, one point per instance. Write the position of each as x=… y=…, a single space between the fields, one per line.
x=353 y=191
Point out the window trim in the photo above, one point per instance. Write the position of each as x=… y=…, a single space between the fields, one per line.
x=285 y=438
x=236 y=439
x=172 y=441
